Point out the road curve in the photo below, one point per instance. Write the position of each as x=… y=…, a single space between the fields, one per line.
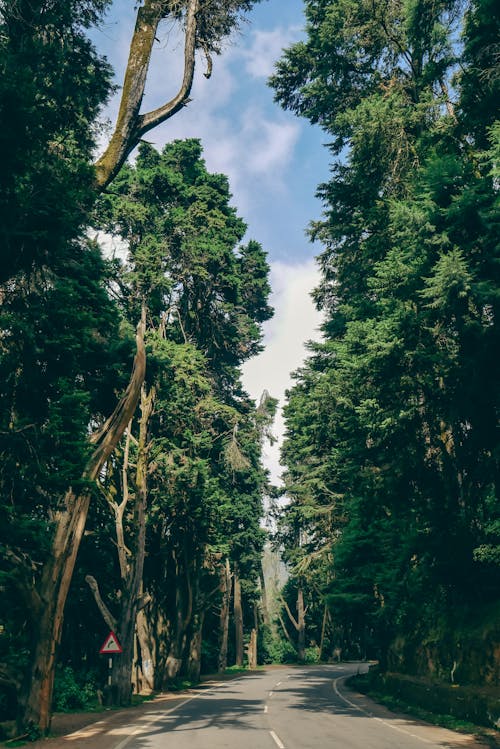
x=287 y=708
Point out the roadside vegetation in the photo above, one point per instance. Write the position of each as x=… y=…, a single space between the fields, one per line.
x=132 y=483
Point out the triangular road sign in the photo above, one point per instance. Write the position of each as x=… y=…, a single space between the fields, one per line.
x=111 y=645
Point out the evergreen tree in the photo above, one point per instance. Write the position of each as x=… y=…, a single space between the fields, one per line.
x=406 y=380
x=204 y=300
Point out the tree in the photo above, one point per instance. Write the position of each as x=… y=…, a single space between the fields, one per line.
x=53 y=84
x=204 y=300
x=397 y=423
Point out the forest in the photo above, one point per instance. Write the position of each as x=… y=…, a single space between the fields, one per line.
x=133 y=489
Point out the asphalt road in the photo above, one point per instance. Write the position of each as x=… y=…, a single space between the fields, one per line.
x=288 y=708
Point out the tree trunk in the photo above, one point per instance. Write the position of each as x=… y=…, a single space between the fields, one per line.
x=194 y=658
x=131 y=573
x=238 y=621
x=225 y=588
x=299 y=624
x=323 y=633
x=145 y=656
x=132 y=584
x=263 y=598
x=301 y=629
x=252 y=650
x=36 y=697
x=181 y=621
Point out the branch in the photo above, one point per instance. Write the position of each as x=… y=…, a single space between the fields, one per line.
x=157 y=116
x=108 y=436
x=287 y=634
x=130 y=125
x=290 y=615
x=208 y=57
x=119 y=510
x=143 y=601
x=106 y=614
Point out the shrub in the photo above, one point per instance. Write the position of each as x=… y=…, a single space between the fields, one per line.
x=312 y=655
x=71 y=693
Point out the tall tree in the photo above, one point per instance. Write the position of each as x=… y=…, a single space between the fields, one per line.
x=205 y=298
x=406 y=381
x=53 y=84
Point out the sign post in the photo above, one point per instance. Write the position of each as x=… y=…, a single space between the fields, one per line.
x=109 y=647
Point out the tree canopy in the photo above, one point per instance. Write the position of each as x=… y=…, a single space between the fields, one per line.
x=391 y=423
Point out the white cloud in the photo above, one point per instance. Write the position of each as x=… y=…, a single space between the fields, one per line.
x=295 y=321
x=265 y=49
x=271 y=144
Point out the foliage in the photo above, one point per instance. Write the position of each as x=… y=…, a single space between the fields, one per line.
x=205 y=297
x=52 y=84
x=66 y=345
x=70 y=694
x=391 y=453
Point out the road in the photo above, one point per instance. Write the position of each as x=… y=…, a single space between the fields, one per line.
x=286 y=708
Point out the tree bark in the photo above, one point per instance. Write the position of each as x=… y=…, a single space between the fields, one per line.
x=225 y=588
x=263 y=598
x=145 y=656
x=323 y=633
x=238 y=621
x=36 y=696
x=182 y=619
x=299 y=624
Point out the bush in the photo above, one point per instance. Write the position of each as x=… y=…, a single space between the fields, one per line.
x=69 y=694
x=312 y=655
x=275 y=649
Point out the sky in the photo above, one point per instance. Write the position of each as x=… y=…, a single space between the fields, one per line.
x=274 y=161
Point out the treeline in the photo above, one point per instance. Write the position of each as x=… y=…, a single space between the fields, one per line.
x=392 y=452
x=131 y=481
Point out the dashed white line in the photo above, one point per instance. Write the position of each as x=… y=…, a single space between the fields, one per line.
x=277 y=740
x=265 y=708
x=370 y=715
x=280 y=682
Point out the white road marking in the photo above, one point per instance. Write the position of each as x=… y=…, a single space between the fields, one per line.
x=265 y=708
x=370 y=715
x=271 y=694
x=280 y=682
x=157 y=718
x=277 y=740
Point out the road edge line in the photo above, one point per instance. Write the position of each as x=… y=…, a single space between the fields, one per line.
x=371 y=715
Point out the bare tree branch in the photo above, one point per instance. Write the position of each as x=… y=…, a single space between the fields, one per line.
x=157 y=116
x=130 y=124
x=287 y=634
x=290 y=615
x=108 y=436
x=105 y=612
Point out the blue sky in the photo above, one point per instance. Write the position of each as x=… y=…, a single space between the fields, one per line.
x=273 y=159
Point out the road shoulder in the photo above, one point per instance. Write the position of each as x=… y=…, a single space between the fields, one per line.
x=426 y=732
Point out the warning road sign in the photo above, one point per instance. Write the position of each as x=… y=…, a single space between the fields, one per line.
x=111 y=645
